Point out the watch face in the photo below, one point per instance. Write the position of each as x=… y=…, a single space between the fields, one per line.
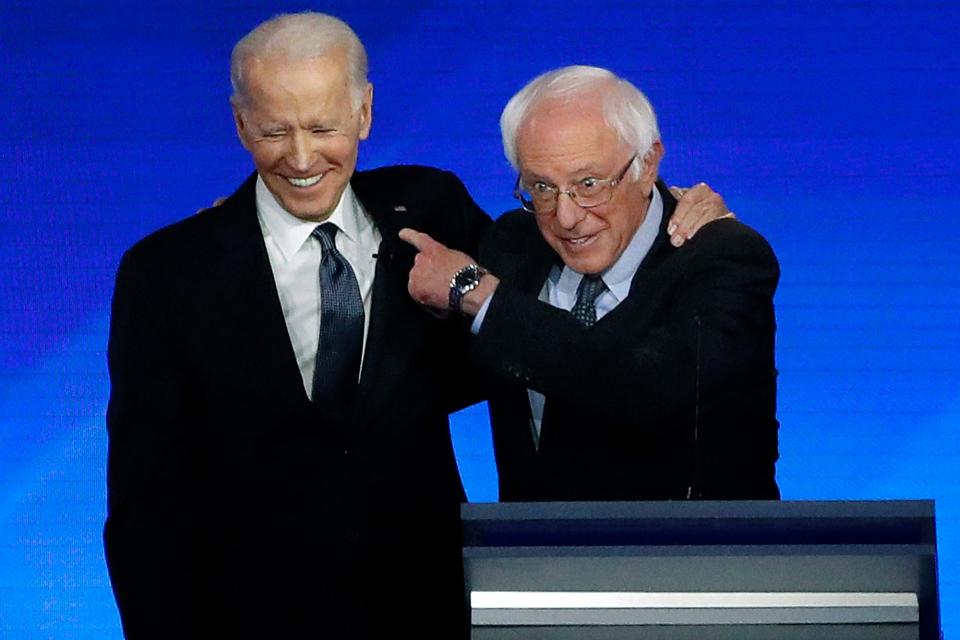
x=463 y=282
x=466 y=277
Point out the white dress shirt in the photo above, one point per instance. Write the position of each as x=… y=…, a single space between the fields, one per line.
x=295 y=260
x=560 y=288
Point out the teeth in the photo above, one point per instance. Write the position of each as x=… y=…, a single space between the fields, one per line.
x=305 y=182
x=579 y=240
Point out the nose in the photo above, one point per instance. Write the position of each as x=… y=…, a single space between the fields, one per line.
x=300 y=153
x=569 y=213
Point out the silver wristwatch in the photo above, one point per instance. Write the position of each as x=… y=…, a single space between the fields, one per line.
x=463 y=282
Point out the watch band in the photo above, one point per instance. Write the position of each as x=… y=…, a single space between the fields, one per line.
x=463 y=282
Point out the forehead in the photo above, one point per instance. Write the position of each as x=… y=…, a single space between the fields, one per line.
x=279 y=86
x=564 y=136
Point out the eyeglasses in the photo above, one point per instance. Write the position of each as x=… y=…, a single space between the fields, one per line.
x=541 y=197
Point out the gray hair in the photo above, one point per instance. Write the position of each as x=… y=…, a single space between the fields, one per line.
x=298 y=36
x=625 y=108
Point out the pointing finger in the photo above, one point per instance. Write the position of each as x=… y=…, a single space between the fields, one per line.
x=419 y=240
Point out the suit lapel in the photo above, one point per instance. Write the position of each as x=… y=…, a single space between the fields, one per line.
x=386 y=351
x=661 y=245
x=533 y=261
x=249 y=294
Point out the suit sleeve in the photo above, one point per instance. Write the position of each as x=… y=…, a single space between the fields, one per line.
x=471 y=224
x=711 y=336
x=149 y=533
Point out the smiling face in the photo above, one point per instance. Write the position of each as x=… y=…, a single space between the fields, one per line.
x=560 y=143
x=300 y=125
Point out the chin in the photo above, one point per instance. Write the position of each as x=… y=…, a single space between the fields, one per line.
x=586 y=264
x=309 y=210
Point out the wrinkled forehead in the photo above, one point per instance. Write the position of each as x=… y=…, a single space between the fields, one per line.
x=331 y=64
x=322 y=82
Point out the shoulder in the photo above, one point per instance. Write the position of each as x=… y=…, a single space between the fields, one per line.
x=407 y=180
x=196 y=237
x=513 y=230
x=512 y=242
x=723 y=255
x=430 y=192
x=424 y=198
x=731 y=238
x=181 y=234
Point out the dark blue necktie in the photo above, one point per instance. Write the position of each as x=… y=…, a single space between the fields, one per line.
x=585 y=309
x=341 y=327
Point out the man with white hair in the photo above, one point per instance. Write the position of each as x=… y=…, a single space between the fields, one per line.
x=280 y=459
x=624 y=368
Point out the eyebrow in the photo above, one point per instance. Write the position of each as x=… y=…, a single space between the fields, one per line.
x=584 y=171
x=270 y=125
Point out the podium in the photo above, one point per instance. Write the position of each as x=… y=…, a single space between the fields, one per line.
x=746 y=570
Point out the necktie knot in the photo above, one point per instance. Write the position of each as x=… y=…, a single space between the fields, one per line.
x=325 y=234
x=590 y=289
x=585 y=309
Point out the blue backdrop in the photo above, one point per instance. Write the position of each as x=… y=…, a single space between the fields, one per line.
x=832 y=127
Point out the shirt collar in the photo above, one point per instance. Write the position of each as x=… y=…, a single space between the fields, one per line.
x=290 y=232
x=620 y=274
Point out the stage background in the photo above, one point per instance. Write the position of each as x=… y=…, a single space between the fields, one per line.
x=831 y=127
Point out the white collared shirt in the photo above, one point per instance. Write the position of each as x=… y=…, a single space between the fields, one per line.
x=295 y=260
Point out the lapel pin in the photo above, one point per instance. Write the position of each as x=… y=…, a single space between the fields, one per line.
x=400 y=208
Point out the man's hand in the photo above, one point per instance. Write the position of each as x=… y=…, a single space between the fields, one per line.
x=433 y=268
x=696 y=206
x=219 y=201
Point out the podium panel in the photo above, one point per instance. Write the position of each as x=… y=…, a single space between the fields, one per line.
x=702 y=569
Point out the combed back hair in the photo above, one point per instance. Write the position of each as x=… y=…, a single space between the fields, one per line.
x=625 y=108
x=298 y=36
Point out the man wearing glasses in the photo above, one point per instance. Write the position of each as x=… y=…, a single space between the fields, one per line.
x=623 y=368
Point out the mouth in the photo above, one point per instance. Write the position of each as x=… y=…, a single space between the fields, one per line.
x=580 y=241
x=305 y=183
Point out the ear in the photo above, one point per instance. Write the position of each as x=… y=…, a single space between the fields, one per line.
x=242 y=130
x=366 y=112
x=651 y=167
x=651 y=162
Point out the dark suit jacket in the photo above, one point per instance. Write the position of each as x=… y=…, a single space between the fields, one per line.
x=669 y=396
x=236 y=507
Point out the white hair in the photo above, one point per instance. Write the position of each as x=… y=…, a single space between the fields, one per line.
x=625 y=108
x=298 y=36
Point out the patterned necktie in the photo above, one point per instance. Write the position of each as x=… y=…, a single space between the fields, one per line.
x=341 y=326
x=585 y=310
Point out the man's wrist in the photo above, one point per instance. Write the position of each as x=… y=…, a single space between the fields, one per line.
x=473 y=300
x=465 y=280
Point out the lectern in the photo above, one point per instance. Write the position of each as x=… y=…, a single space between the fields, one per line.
x=702 y=570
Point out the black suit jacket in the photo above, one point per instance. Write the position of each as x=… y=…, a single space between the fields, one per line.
x=672 y=395
x=235 y=505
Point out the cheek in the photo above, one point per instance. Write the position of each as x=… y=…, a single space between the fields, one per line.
x=266 y=157
x=341 y=152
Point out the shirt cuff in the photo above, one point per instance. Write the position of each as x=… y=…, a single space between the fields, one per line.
x=478 y=319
